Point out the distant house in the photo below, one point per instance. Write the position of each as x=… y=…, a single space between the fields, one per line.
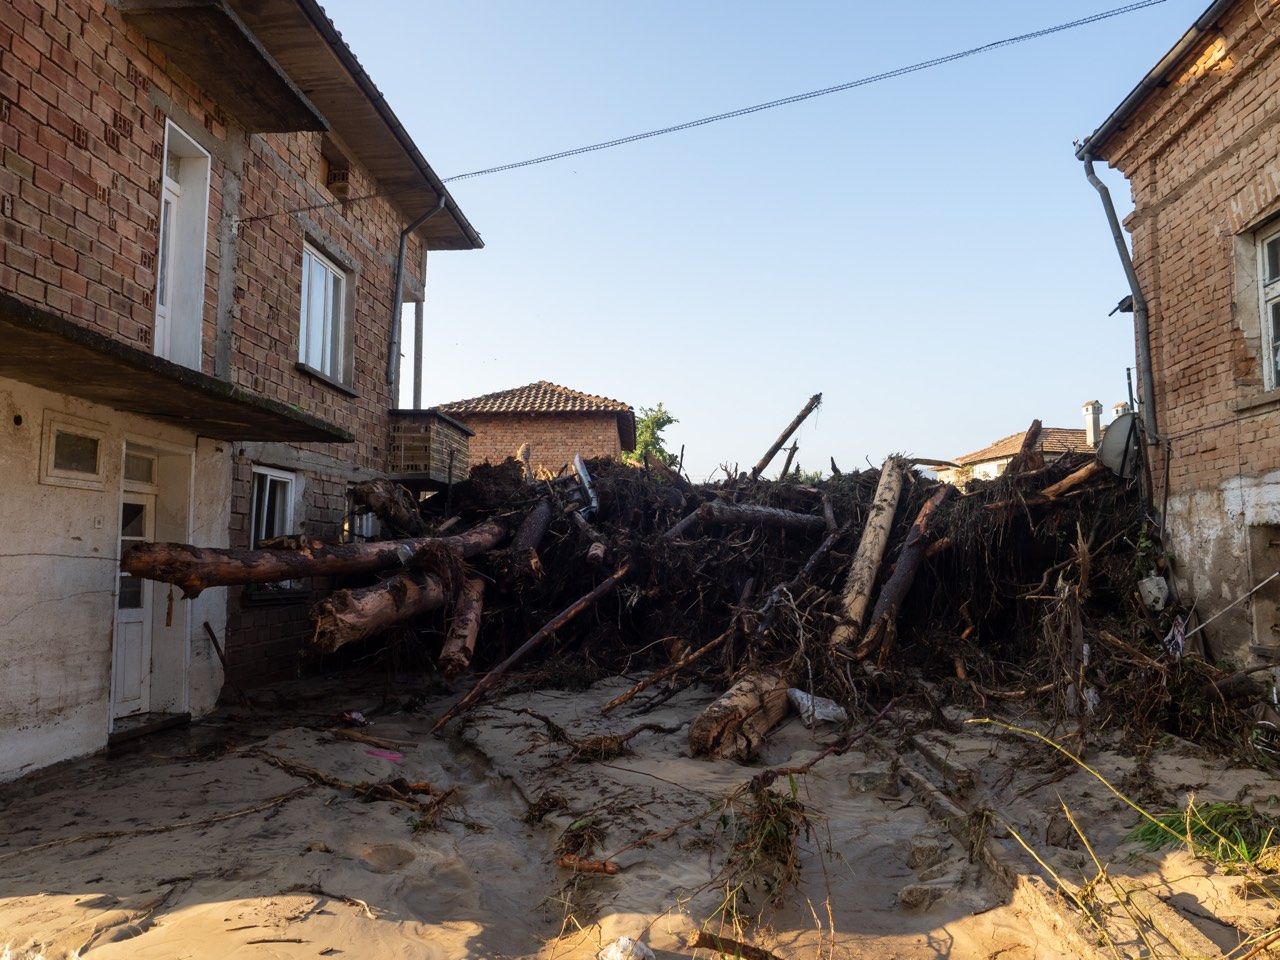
x=991 y=460
x=556 y=422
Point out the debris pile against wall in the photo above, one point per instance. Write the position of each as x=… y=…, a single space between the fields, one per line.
x=864 y=587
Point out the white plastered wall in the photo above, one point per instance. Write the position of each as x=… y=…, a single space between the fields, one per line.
x=58 y=579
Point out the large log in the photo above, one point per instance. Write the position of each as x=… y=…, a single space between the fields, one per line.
x=885 y=613
x=532 y=528
x=783 y=437
x=1027 y=456
x=719 y=512
x=866 y=561
x=490 y=679
x=460 y=644
x=197 y=568
x=392 y=504
x=734 y=727
x=346 y=616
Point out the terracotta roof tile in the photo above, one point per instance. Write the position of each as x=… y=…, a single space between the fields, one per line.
x=540 y=397
x=1052 y=440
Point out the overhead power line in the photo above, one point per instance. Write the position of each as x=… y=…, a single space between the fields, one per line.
x=810 y=95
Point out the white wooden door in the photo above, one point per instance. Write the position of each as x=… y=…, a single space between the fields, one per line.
x=131 y=657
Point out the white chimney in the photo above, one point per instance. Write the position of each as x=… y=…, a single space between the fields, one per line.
x=1120 y=409
x=1092 y=422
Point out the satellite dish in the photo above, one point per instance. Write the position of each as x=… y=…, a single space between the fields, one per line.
x=1119 y=447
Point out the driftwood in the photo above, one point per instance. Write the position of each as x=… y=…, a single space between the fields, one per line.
x=896 y=588
x=866 y=562
x=346 y=616
x=533 y=528
x=197 y=568
x=783 y=437
x=390 y=503
x=786 y=464
x=719 y=512
x=460 y=644
x=1027 y=457
x=735 y=725
x=706 y=940
x=1071 y=481
x=490 y=679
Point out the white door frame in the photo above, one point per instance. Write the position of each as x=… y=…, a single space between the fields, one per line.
x=141 y=615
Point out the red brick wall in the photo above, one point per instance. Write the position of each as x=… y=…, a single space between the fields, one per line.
x=83 y=103
x=1202 y=160
x=553 y=438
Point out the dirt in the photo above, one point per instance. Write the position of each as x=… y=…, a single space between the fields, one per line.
x=313 y=870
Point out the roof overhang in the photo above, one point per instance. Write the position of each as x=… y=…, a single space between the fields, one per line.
x=299 y=35
x=54 y=353
x=1156 y=79
x=209 y=43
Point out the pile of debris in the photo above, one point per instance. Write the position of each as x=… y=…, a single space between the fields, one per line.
x=867 y=586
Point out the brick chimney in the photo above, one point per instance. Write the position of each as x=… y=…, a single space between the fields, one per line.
x=1092 y=422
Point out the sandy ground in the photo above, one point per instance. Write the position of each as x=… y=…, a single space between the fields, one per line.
x=312 y=871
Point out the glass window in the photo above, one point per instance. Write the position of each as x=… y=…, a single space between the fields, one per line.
x=1271 y=260
x=322 y=340
x=75 y=452
x=272 y=505
x=139 y=468
x=1269 y=300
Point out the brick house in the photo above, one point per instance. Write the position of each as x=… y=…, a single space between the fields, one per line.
x=1199 y=142
x=209 y=219
x=991 y=461
x=554 y=421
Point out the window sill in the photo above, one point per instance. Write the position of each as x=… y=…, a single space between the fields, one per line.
x=1266 y=399
x=336 y=384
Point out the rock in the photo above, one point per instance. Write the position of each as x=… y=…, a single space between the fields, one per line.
x=922 y=896
x=883 y=782
x=625 y=948
x=927 y=852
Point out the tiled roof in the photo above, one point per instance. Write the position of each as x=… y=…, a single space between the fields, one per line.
x=1052 y=440
x=540 y=397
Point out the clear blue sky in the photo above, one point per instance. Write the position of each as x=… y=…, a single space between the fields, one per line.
x=924 y=251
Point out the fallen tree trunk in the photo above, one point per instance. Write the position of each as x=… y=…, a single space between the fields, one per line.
x=1071 y=481
x=885 y=613
x=1025 y=458
x=392 y=504
x=346 y=616
x=460 y=644
x=866 y=562
x=197 y=568
x=734 y=727
x=490 y=679
x=783 y=437
x=719 y=512
x=532 y=528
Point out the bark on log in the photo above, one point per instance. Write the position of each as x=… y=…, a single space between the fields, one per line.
x=532 y=528
x=346 y=616
x=1086 y=473
x=866 y=561
x=460 y=644
x=392 y=504
x=1024 y=459
x=198 y=568
x=717 y=511
x=896 y=588
x=490 y=679
x=792 y=427
x=734 y=727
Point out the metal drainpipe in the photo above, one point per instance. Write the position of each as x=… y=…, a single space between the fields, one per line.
x=393 y=358
x=1140 y=320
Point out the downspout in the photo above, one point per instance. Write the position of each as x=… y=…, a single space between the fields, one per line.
x=393 y=358
x=1141 y=325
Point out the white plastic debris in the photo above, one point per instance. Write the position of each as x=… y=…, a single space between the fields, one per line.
x=816 y=709
x=1154 y=591
x=625 y=948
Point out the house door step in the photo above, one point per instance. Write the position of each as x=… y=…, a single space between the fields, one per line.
x=143 y=724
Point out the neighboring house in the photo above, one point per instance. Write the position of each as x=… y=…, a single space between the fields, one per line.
x=554 y=421
x=1199 y=141
x=204 y=211
x=991 y=461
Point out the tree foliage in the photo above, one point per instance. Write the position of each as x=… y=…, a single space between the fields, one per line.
x=649 y=426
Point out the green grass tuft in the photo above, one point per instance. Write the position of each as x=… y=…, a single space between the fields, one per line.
x=1222 y=832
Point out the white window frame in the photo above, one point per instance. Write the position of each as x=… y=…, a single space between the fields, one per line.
x=333 y=334
x=182 y=249
x=270 y=474
x=55 y=423
x=1268 y=298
